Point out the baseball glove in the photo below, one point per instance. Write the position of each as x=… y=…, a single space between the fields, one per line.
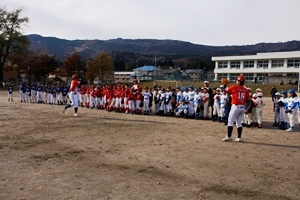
x=224 y=81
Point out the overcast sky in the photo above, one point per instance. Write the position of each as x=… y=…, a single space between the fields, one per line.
x=207 y=22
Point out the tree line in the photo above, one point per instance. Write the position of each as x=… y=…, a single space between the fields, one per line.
x=16 y=55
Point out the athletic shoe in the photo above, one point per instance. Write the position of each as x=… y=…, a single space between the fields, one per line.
x=289 y=130
x=238 y=139
x=75 y=115
x=64 y=110
x=227 y=139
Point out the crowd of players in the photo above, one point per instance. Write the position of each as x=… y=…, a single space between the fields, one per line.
x=186 y=102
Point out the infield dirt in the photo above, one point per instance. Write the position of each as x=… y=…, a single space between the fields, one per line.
x=45 y=154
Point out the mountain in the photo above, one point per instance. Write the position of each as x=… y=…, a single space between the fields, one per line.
x=91 y=48
x=128 y=50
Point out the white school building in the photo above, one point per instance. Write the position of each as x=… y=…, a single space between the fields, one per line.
x=262 y=66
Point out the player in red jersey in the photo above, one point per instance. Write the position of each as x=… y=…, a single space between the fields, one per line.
x=139 y=101
x=240 y=95
x=82 y=95
x=130 y=102
x=127 y=92
x=88 y=92
x=73 y=95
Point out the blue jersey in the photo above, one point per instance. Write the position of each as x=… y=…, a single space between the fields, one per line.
x=27 y=89
x=58 y=89
x=33 y=87
x=65 y=91
x=39 y=88
x=45 y=89
x=21 y=86
x=10 y=89
x=53 y=90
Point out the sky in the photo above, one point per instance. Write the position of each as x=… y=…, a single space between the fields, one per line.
x=206 y=22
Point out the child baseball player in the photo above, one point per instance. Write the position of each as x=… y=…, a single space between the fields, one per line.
x=259 y=109
x=73 y=95
x=282 y=114
x=10 y=90
x=291 y=108
x=276 y=109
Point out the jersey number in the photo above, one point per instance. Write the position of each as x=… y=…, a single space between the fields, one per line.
x=241 y=95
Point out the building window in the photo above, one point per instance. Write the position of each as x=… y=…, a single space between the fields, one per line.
x=233 y=77
x=249 y=77
x=220 y=76
x=293 y=74
x=262 y=64
x=294 y=63
x=248 y=64
x=222 y=65
x=261 y=77
x=235 y=64
x=277 y=63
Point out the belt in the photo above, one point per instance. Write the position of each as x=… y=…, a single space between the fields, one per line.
x=239 y=105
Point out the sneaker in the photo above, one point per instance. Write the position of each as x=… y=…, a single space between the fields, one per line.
x=290 y=130
x=227 y=139
x=238 y=139
x=64 y=110
x=75 y=114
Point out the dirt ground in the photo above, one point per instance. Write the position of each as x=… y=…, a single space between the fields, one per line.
x=45 y=154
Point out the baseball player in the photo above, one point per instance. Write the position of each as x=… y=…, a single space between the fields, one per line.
x=216 y=105
x=147 y=95
x=259 y=108
x=33 y=93
x=282 y=114
x=276 y=109
x=191 y=94
x=39 y=93
x=73 y=95
x=20 y=88
x=291 y=108
x=82 y=95
x=205 y=102
x=64 y=92
x=197 y=102
x=10 y=90
x=240 y=95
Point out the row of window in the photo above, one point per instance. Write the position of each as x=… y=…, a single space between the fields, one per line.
x=248 y=77
x=251 y=77
x=260 y=64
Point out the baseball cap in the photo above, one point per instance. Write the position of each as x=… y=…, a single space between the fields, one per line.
x=206 y=82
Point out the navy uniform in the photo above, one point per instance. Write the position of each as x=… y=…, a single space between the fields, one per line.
x=10 y=90
x=20 y=88
x=27 y=93
x=39 y=92
x=58 y=94
x=53 y=95
x=33 y=92
x=64 y=92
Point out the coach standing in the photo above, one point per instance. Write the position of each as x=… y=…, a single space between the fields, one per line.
x=273 y=92
x=240 y=95
x=73 y=95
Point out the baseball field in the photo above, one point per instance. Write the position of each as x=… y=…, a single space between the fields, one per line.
x=45 y=154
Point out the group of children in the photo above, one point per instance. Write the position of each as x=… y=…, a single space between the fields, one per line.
x=286 y=108
x=36 y=93
x=185 y=102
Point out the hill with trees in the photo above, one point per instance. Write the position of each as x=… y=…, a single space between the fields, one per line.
x=131 y=53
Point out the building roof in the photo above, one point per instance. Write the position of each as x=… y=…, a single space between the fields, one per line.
x=193 y=71
x=147 y=68
x=170 y=71
x=272 y=55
